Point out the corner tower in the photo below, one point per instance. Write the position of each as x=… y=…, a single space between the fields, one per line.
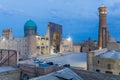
x=103 y=32
x=30 y=28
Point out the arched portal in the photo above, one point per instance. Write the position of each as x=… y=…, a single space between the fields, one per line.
x=56 y=42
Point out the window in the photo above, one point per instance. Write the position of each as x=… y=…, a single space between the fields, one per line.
x=38 y=38
x=38 y=47
x=98 y=62
x=109 y=72
x=97 y=70
x=89 y=49
x=42 y=47
x=109 y=66
x=42 y=38
x=47 y=39
x=42 y=44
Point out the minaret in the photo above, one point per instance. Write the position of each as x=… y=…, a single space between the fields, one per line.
x=103 y=32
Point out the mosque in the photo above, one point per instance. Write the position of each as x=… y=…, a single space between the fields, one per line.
x=32 y=44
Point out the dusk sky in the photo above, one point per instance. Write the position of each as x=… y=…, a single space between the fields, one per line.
x=79 y=18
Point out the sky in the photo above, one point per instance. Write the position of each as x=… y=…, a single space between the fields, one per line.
x=79 y=18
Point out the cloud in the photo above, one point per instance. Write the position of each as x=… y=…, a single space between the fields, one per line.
x=46 y=8
x=9 y=12
x=78 y=15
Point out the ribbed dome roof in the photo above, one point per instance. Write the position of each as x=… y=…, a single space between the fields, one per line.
x=30 y=24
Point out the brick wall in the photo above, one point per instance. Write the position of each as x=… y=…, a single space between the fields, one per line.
x=8 y=57
x=113 y=46
x=91 y=55
x=10 y=75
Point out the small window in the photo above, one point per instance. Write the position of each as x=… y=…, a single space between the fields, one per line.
x=98 y=62
x=89 y=49
x=47 y=39
x=109 y=66
x=42 y=43
x=109 y=72
x=97 y=70
x=42 y=38
x=119 y=73
x=42 y=47
x=38 y=38
x=38 y=47
x=42 y=52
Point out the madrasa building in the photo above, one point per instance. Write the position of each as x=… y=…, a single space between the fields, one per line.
x=32 y=44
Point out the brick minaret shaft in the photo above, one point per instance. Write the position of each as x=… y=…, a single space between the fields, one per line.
x=102 y=39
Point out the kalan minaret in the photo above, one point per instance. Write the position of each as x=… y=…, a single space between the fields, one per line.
x=103 y=34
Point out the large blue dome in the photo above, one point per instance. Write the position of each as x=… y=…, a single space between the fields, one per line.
x=30 y=24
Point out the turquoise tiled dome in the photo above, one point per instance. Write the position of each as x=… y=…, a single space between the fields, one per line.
x=30 y=24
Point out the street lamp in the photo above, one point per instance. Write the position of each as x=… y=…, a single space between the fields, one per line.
x=69 y=39
x=3 y=38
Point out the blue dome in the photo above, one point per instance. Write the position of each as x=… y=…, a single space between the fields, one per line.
x=30 y=24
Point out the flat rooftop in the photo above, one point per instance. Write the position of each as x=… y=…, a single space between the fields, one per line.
x=6 y=68
x=74 y=59
x=78 y=60
x=110 y=54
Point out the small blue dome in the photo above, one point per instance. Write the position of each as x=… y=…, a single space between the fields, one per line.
x=30 y=24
